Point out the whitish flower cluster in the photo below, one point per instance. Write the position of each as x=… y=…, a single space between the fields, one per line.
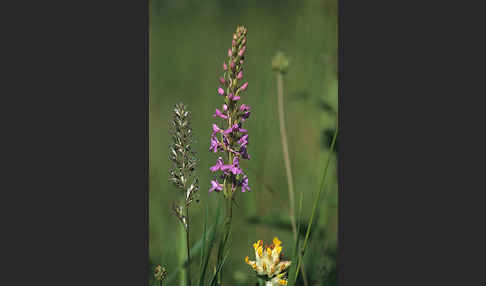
x=269 y=264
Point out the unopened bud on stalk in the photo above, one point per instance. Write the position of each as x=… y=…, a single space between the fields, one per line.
x=242 y=51
x=220 y=91
x=240 y=75
x=244 y=86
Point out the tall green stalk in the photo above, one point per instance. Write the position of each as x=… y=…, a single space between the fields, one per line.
x=285 y=150
x=280 y=64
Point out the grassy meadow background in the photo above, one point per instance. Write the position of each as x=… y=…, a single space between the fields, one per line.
x=188 y=44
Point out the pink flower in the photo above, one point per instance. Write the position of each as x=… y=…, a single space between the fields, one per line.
x=220 y=91
x=216 y=129
x=218 y=113
x=218 y=165
x=215 y=186
x=242 y=51
x=244 y=86
x=239 y=75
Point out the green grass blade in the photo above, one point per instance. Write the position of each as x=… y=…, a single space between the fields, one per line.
x=201 y=276
x=295 y=256
x=219 y=267
x=211 y=241
x=311 y=220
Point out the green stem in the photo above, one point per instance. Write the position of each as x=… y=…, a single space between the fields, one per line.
x=182 y=255
x=188 y=270
x=288 y=169
x=311 y=220
x=285 y=148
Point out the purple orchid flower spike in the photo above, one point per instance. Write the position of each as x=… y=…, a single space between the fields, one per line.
x=234 y=138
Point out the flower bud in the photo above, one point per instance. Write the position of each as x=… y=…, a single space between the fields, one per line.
x=242 y=51
x=225 y=67
x=244 y=86
x=240 y=75
x=232 y=64
x=230 y=53
x=220 y=91
x=221 y=80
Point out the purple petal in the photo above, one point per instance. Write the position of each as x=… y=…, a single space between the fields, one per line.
x=215 y=186
x=220 y=114
x=216 y=129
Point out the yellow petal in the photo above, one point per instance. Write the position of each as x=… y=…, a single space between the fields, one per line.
x=259 y=251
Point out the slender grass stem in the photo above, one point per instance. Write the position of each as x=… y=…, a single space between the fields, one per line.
x=182 y=256
x=288 y=168
x=285 y=148
x=188 y=270
x=311 y=220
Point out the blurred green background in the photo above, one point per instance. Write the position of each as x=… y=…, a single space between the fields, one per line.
x=188 y=43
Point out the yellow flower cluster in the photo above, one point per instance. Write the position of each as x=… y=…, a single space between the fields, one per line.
x=268 y=262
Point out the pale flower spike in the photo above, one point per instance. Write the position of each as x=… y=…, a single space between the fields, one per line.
x=268 y=262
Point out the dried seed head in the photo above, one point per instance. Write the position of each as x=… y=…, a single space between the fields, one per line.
x=183 y=158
